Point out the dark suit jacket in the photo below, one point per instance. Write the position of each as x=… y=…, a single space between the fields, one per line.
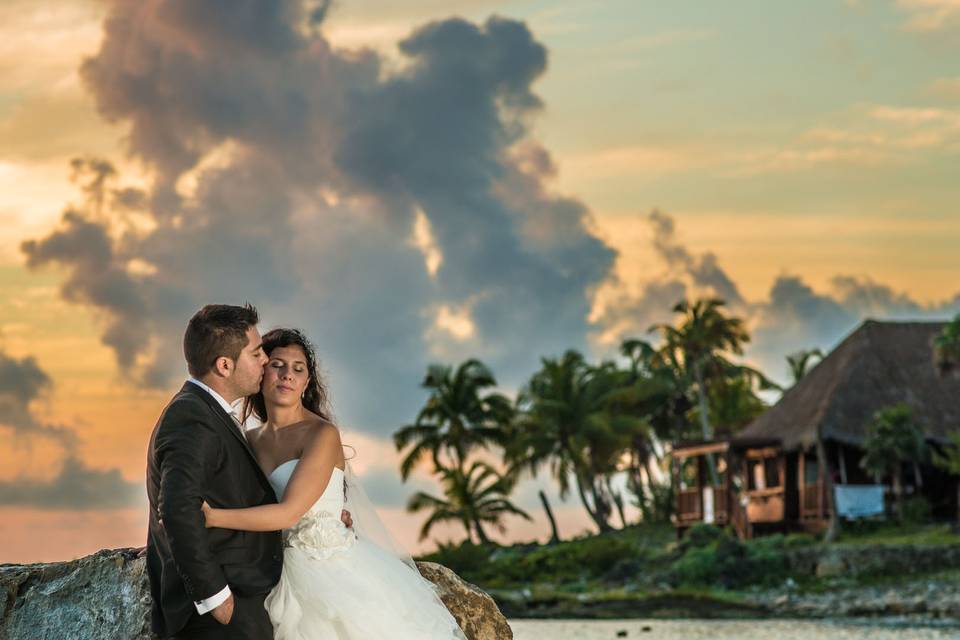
x=197 y=453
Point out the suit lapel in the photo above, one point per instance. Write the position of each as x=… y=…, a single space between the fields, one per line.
x=225 y=420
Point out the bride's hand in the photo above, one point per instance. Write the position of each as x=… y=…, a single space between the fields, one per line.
x=207 y=509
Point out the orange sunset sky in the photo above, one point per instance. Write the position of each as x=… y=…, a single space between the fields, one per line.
x=429 y=181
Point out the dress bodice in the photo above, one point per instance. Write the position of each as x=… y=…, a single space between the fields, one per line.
x=319 y=532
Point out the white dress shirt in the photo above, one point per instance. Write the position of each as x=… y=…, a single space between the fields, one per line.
x=214 y=601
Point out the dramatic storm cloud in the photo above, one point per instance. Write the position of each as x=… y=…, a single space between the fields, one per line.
x=398 y=210
x=399 y=216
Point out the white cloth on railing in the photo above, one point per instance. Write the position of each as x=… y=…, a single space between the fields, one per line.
x=858 y=500
x=708 y=512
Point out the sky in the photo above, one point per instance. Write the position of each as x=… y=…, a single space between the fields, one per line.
x=430 y=181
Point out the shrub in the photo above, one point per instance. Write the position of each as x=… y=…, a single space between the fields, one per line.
x=464 y=559
x=702 y=535
x=729 y=563
x=916 y=510
x=583 y=558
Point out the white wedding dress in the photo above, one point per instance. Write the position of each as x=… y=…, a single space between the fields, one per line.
x=337 y=585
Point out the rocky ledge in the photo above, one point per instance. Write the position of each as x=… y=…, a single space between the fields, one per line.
x=105 y=595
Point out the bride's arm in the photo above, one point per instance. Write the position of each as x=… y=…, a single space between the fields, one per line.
x=307 y=484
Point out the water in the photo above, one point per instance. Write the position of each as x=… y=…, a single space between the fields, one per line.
x=725 y=630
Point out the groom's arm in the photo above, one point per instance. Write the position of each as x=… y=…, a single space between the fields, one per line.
x=184 y=452
x=308 y=483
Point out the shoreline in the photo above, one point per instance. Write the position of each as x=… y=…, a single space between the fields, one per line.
x=934 y=598
x=646 y=573
x=885 y=622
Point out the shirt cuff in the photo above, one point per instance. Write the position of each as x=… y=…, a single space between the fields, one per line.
x=214 y=601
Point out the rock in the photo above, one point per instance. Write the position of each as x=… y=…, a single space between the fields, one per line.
x=106 y=596
x=830 y=565
x=475 y=611
x=873 y=559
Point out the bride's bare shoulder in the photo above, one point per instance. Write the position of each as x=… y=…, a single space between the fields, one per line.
x=320 y=429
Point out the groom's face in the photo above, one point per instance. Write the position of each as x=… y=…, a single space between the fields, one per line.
x=249 y=366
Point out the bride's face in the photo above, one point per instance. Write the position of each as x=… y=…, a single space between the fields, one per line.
x=285 y=376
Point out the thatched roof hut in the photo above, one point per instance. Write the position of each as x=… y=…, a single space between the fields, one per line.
x=878 y=365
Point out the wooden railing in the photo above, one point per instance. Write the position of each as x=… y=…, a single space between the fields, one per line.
x=813 y=501
x=689 y=508
x=690 y=505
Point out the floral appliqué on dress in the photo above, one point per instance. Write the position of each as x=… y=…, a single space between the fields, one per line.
x=320 y=535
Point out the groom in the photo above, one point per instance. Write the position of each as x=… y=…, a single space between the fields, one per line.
x=210 y=583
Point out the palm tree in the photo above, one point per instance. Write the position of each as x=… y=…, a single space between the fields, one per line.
x=660 y=388
x=734 y=402
x=515 y=451
x=456 y=417
x=799 y=362
x=946 y=357
x=948 y=459
x=946 y=347
x=893 y=438
x=703 y=334
x=612 y=433
x=659 y=392
x=565 y=421
x=474 y=496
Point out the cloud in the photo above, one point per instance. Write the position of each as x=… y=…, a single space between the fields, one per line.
x=792 y=316
x=628 y=311
x=75 y=487
x=704 y=270
x=867 y=136
x=309 y=167
x=648 y=160
x=796 y=317
x=50 y=37
x=22 y=382
x=931 y=15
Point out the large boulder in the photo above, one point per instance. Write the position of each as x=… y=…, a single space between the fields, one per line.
x=475 y=611
x=106 y=596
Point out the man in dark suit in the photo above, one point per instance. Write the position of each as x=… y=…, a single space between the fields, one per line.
x=210 y=583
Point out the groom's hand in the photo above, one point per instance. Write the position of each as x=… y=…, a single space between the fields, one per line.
x=347 y=520
x=224 y=612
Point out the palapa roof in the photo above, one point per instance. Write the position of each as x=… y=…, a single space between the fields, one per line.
x=878 y=365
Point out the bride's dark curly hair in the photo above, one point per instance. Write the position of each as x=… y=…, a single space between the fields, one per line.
x=315 y=396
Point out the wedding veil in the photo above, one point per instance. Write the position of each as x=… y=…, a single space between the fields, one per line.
x=366 y=522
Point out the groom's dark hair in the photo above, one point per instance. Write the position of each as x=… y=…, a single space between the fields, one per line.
x=214 y=331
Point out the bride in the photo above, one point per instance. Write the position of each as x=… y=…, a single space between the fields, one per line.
x=337 y=583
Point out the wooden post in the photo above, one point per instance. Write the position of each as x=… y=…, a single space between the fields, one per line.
x=826 y=486
x=843 y=464
x=802 y=480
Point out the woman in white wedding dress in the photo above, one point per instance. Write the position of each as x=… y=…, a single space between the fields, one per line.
x=337 y=583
